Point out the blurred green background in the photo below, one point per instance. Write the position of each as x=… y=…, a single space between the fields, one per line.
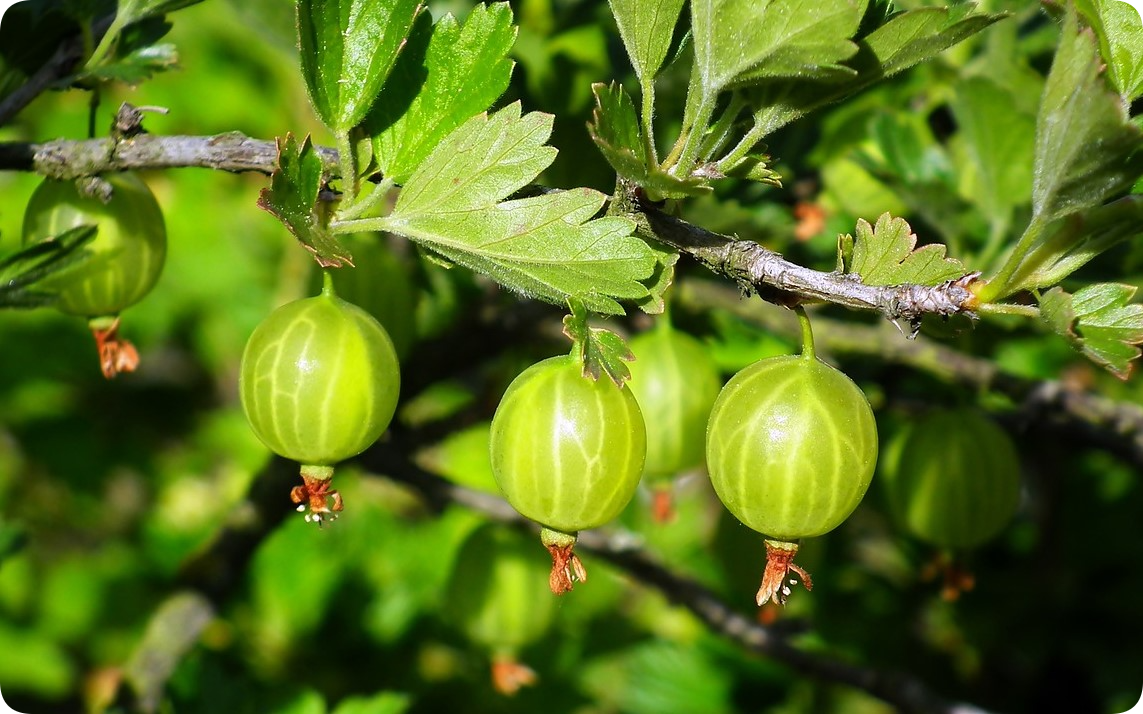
x=109 y=490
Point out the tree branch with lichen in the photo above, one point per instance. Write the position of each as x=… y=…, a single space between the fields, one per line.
x=751 y=265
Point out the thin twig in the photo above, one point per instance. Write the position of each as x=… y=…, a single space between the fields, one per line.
x=750 y=264
x=66 y=159
x=1114 y=425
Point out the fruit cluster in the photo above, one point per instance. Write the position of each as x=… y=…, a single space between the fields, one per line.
x=790 y=443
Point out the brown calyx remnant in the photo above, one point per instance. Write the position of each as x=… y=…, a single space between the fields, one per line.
x=508 y=675
x=663 y=504
x=316 y=497
x=567 y=568
x=779 y=562
x=956 y=578
x=115 y=355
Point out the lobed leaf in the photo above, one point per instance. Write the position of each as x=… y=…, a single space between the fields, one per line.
x=292 y=198
x=886 y=254
x=547 y=246
x=347 y=49
x=615 y=130
x=1086 y=147
x=1120 y=33
x=646 y=27
x=738 y=43
x=602 y=351
x=445 y=75
x=1099 y=322
x=904 y=40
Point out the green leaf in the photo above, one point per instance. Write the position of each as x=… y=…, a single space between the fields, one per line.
x=884 y=255
x=347 y=49
x=445 y=75
x=615 y=130
x=1098 y=321
x=916 y=36
x=293 y=199
x=614 y=127
x=1071 y=242
x=646 y=27
x=998 y=139
x=738 y=42
x=1120 y=42
x=603 y=351
x=906 y=39
x=547 y=246
x=1086 y=148
x=20 y=271
x=138 y=66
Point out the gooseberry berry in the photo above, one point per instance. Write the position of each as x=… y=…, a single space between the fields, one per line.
x=567 y=452
x=319 y=383
x=496 y=595
x=379 y=283
x=676 y=382
x=956 y=480
x=791 y=449
x=122 y=262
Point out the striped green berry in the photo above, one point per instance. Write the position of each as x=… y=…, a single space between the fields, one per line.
x=791 y=449
x=956 y=481
x=567 y=452
x=125 y=258
x=675 y=382
x=319 y=384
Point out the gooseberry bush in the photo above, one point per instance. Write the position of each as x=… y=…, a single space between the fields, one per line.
x=696 y=295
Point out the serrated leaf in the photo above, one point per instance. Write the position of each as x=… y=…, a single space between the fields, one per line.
x=138 y=66
x=444 y=76
x=904 y=40
x=1099 y=322
x=1086 y=148
x=615 y=130
x=347 y=49
x=602 y=351
x=547 y=246
x=738 y=43
x=1120 y=33
x=614 y=127
x=646 y=27
x=886 y=254
x=293 y=199
x=1071 y=242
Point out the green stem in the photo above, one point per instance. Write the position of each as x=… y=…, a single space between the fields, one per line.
x=689 y=155
x=999 y=308
x=997 y=287
x=327 y=288
x=807 y=332
x=648 y=119
x=743 y=147
x=347 y=158
x=369 y=204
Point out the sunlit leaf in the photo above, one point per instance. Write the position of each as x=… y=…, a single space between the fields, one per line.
x=1084 y=139
x=603 y=351
x=886 y=254
x=293 y=199
x=646 y=27
x=445 y=75
x=1099 y=321
x=348 y=48
x=548 y=246
x=1120 y=42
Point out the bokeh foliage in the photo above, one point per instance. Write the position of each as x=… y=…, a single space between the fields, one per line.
x=108 y=490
